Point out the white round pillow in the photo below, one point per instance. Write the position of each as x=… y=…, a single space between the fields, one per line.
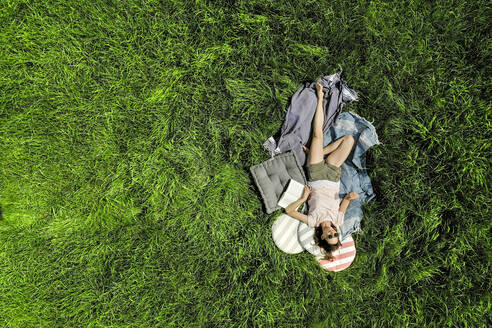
x=284 y=233
x=342 y=257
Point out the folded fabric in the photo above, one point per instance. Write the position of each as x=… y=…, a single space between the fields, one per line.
x=296 y=130
x=354 y=173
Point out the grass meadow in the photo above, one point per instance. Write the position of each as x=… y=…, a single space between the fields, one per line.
x=127 y=129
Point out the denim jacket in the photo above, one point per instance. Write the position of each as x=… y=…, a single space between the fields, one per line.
x=354 y=173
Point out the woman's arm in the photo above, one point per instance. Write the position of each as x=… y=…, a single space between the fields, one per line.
x=343 y=206
x=292 y=207
x=291 y=210
x=346 y=201
x=301 y=217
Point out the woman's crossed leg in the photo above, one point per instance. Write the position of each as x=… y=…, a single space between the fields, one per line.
x=338 y=150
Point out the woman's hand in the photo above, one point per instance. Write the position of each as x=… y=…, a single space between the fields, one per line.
x=352 y=196
x=307 y=192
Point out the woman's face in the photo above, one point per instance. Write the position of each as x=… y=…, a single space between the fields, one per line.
x=329 y=229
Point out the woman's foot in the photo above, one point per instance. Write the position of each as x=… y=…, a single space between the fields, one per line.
x=319 y=89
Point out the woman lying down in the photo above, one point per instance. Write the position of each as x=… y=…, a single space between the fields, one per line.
x=326 y=214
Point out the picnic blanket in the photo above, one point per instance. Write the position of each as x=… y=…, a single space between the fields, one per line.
x=354 y=172
x=296 y=129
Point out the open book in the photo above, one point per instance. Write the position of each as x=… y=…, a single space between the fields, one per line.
x=294 y=192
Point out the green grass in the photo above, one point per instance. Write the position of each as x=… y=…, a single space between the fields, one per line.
x=127 y=129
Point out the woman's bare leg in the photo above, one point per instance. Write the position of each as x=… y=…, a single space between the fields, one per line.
x=340 y=154
x=331 y=147
x=316 y=149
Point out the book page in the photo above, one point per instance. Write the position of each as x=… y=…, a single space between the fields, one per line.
x=294 y=192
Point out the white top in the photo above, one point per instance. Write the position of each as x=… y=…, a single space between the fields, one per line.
x=324 y=183
x=324 y=202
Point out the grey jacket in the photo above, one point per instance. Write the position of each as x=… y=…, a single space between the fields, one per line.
x=296 y=130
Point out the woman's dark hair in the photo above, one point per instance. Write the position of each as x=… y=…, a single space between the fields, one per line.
x=323 y=243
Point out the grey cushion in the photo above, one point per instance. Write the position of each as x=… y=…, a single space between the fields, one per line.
x=272 y=176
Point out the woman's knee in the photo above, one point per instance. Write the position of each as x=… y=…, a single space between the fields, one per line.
x=349 y=141
x=349 y=138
